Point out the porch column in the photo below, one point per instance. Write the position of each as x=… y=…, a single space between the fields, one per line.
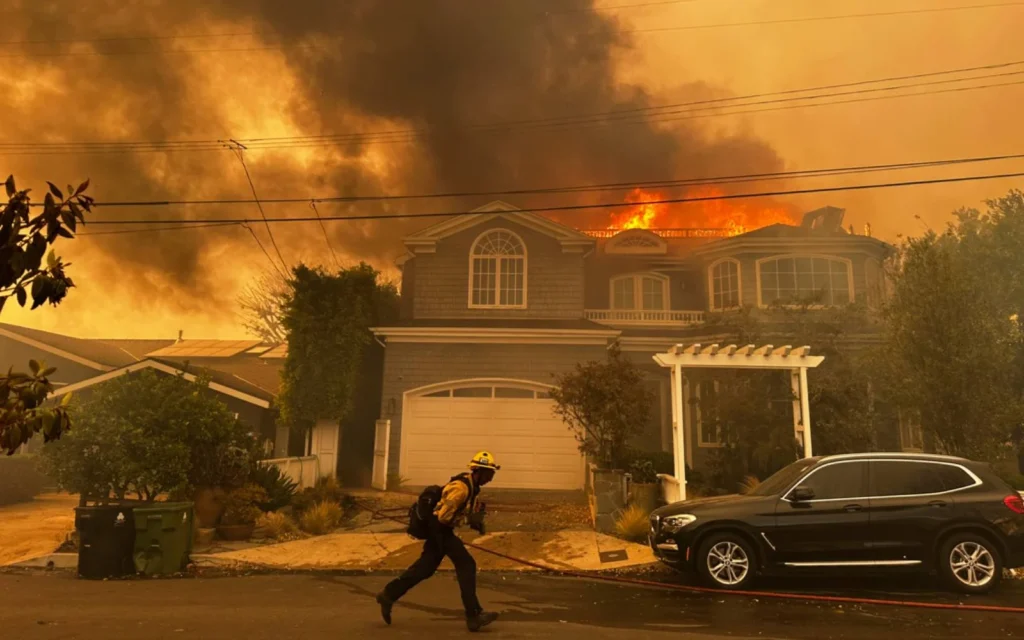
x=798 y=409
x=805 y=410
x=678 y=430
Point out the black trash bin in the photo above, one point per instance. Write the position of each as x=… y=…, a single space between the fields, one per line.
x=106 y=541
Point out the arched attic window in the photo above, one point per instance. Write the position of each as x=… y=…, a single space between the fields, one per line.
x=497 y=271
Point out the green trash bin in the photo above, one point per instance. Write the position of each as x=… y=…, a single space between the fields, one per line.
x=163 y=537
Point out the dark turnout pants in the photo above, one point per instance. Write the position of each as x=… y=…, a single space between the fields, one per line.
x=443 y=542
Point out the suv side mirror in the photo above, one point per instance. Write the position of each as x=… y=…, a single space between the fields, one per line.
x=802 y=494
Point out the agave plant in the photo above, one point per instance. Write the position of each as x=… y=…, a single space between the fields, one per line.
x=279 y=487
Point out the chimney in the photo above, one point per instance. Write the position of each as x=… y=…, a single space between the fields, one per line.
x=867 y=229
x=180 y=333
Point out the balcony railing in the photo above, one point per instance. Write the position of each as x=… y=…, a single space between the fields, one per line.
x=639 y=317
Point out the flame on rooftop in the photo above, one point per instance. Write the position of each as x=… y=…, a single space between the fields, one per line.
x=648 y=210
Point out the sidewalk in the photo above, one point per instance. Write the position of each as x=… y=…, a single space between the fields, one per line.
x=32 y=529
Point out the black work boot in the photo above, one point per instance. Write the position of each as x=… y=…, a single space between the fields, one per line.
x=480 y=620
x=385 y=606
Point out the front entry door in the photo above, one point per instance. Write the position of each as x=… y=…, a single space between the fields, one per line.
x=830 y=524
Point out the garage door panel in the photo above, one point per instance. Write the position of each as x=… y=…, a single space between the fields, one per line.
x=535 y=448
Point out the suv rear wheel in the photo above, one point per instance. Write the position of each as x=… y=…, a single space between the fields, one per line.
x=970 y=563
x=726 y=561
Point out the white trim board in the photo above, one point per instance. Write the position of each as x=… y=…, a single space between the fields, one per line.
x=159 y=366
x=60 y=353
x=479 y=335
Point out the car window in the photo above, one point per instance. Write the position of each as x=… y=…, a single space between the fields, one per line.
x=838 y=480
x=781 y=479
x=908 y=478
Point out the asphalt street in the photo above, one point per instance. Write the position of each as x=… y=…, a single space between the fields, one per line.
x=37 y=606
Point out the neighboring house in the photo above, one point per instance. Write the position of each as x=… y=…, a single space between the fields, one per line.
x=244 y=373
x=497 y=302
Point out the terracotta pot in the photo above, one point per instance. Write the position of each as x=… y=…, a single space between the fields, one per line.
x=209 y=506
x=236 y=532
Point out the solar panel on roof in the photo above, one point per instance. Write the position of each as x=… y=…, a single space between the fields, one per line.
x=280 y=351
x=206 y=348
x=260 y=349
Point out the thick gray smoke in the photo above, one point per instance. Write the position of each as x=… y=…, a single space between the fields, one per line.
x=442 y=67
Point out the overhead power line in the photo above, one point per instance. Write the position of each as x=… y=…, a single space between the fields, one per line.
x=692 y=27
x=587 y=188
x=640 y=115
x=574 y=207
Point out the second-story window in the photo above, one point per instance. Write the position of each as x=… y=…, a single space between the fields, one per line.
x=497 y=270
x=819 y=280
x=648 y=292
x=725 y=284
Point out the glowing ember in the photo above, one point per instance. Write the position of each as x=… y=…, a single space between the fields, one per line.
x=736 y=216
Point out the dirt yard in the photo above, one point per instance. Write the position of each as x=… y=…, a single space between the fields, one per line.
x=32 y=529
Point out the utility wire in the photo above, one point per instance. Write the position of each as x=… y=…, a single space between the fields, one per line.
x=648 y=114
x=327 y=238
x=582 y=207
x=693 y=27
x=240 y=151
x=156 y=229
x=592 y=187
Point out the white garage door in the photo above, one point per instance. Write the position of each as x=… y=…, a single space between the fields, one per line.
x=442 y=429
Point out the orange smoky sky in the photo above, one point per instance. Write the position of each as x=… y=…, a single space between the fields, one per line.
x=318 y=72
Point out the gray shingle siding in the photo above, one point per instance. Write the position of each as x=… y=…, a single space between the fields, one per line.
x=554 y=280
x=413 y=365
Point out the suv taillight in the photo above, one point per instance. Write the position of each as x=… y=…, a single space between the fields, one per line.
x=1014 y=503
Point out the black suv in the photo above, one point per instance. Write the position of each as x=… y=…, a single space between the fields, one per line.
x=852 y=512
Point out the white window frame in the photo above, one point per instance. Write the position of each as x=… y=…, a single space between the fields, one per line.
x=909 y=426
x=497 y=271
x=700 y=421
x=638 y=290
x=711 y=284
x=783 y=256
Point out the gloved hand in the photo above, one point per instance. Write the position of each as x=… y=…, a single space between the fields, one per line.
x=476 y=522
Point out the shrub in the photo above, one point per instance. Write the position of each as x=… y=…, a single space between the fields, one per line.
x=241 y=505
x=277 y=525
x=20 y=479
x=395 y=482
x=149 y=433
x=322 y=518
x=279 y=487
x=632 y=523
x=325 y=490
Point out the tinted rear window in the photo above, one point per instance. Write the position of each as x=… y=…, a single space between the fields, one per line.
x=907 y=478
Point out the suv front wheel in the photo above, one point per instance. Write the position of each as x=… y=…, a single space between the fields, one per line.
x=726 y=561
x=970 y=563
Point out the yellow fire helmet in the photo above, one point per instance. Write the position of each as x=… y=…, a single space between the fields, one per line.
x=484 y=460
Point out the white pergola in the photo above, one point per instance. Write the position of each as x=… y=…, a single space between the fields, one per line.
x=695 y=356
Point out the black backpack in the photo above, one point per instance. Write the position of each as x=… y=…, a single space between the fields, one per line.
x=422 y=511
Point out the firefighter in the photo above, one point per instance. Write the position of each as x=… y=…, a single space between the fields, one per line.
x=458 y=503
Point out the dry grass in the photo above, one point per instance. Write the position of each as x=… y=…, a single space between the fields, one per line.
x=322 y=518
x=277 y=525
x=749 y=484
x=632 y=523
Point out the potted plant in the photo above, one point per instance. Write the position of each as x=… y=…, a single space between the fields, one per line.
x=643 y=488
x=241 y=511
x=215 y=473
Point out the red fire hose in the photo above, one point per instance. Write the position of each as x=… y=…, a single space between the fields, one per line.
x=758 y=594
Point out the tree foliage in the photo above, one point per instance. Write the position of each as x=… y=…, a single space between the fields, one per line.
x=327 y=319
x=605 y=405
x=24 y=240
x=148 y=433
x=953 y=329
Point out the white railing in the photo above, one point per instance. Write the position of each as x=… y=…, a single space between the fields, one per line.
x=639 y=317
x=303 y=471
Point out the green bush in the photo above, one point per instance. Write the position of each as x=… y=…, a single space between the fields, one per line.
x=241 y=506
x=279 y=487
x=325 y=490
x=147 y=433
x=20 y=479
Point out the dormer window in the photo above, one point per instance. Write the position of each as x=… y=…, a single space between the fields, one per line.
x=497 y=271
x=643 y=291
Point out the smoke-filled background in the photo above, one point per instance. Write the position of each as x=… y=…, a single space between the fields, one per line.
x=432 y=73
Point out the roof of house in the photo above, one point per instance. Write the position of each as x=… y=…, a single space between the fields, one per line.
x=248 y=372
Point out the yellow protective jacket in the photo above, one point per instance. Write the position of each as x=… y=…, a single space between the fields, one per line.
x=457 y=500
